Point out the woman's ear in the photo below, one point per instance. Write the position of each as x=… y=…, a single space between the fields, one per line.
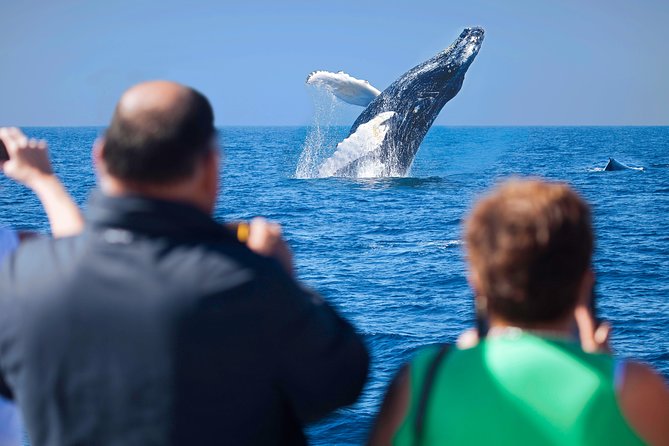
x=473 y=280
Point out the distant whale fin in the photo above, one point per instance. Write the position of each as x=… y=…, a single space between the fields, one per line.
x=367 y=138
x=614 y=164
x=345 y=87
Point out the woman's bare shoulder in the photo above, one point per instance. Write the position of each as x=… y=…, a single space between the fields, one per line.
x=644 y=400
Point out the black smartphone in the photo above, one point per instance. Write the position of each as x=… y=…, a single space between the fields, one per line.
x=593 y=306
x=4 y=156
x=481 y=314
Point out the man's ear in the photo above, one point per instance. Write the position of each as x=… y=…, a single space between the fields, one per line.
x=104 y=179
x=98 y=156
x=209 y=178
x=212 y=161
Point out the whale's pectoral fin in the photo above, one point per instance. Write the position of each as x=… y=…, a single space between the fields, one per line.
x=345 y=87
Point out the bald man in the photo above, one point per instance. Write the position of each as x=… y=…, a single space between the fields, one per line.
x=156 y=326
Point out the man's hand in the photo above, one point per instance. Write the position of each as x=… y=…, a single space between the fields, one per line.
x=265 y=239
x=28 y=158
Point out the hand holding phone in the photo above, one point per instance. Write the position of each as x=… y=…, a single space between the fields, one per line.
x=4 y=156
x=594 y=334
x=24 y=160
x=264 y=237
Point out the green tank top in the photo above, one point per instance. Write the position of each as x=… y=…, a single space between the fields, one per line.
x=517 y=389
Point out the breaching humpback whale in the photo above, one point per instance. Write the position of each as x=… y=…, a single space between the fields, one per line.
x=384 y=139
x=617 y=165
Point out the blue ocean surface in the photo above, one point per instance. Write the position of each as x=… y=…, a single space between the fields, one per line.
x=388 y=253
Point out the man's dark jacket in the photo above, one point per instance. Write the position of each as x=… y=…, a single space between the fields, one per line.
x=156 y=327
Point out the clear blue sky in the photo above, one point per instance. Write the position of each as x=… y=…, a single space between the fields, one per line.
x=66 y=62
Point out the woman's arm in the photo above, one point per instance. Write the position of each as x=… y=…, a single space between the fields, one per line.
x=29 y=165
x=393 y=410
x=644 y=401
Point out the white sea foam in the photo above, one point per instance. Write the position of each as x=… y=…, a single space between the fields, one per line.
x=367 y=138
x=345 y=87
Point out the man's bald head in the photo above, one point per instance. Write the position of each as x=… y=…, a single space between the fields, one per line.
x=159 y=131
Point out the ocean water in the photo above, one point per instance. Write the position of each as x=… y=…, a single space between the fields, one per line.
x=388 y=252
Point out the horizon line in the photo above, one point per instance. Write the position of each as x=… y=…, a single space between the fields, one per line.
x=348 y=125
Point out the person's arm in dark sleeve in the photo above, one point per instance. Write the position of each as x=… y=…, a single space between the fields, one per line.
x=5 y=289
x=5 y=391
x=323 y=362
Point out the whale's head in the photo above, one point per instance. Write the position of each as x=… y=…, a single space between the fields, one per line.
x=439 y=79
x=462 y=52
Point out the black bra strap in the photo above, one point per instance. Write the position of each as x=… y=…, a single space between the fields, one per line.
x=419 y=422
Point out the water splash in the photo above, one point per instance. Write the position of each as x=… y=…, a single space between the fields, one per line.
x=358 y=155
x=330 y=112
x=320 y=134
